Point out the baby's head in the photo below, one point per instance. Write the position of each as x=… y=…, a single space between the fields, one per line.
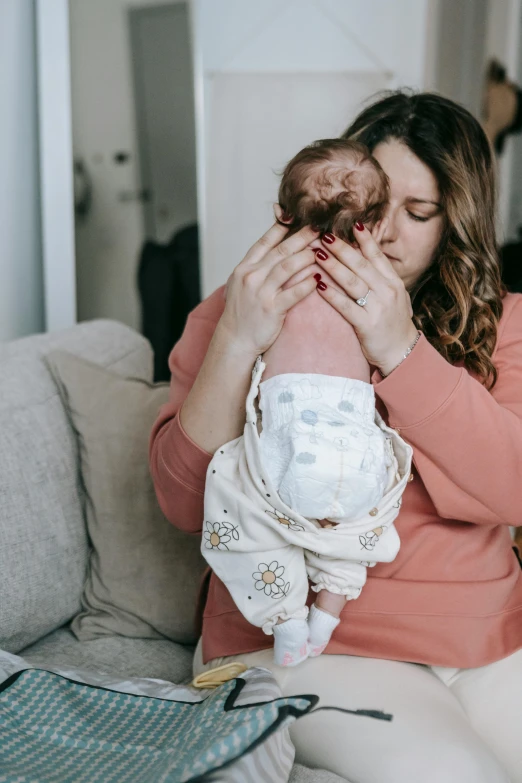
x=330 y=185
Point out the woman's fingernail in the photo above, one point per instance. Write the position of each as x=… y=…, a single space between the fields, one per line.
x=321 y=254
x=285 y=217
x=328 y=238
x=322 y=286
x=317 y=277
x=359 y=226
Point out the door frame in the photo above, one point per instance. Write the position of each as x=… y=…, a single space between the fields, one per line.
x=183 y=22
x=56 y=163
x=56 y=156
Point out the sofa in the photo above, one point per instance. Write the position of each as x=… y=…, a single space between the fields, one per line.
x=46 y=506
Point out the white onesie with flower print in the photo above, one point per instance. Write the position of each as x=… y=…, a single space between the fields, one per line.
x=323 y=452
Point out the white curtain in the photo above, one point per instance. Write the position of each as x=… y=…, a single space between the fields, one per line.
x=255 y=124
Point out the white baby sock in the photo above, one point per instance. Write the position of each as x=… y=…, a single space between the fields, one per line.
x=321 y=626
x=290 y=642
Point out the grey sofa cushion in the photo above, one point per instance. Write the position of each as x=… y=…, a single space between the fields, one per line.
x=107 y=343
x=144 y=574
x=116 y=655
x=43 y=542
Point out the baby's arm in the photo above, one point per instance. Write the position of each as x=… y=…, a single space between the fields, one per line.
x=315 y=338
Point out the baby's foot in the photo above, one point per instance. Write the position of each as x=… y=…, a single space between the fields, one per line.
x=321 y=625
x=290 y=642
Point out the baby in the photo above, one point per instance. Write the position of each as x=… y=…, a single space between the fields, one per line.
x=311 y=489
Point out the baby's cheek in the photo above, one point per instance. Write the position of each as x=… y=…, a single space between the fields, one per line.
x=311 y=270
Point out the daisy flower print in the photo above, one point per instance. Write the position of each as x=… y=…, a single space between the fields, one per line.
x=269 y=579
x=218 y=534
x=291 y=524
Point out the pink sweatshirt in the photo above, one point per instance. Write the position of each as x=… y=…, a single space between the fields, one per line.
x=453 y=595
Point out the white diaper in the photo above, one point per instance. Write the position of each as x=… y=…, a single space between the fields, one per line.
x=321 y=446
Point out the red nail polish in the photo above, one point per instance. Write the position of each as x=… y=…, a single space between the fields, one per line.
x=317 y=277
x=322 y=286
x=328 y=238
x=321 y=254
x=359 y=226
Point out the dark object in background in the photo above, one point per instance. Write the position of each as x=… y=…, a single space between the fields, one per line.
x=497 y=73
x=515 y=127
x=169 y=288
x=511 y=254
x=511 y=266
x=83 y=189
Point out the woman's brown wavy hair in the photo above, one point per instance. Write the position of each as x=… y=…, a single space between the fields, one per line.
x=457 y=303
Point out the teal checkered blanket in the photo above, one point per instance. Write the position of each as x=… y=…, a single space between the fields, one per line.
x=55 y=728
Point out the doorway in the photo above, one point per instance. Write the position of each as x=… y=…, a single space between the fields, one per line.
x=134 y=144
x=165 y=119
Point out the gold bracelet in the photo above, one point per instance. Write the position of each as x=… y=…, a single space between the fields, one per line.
x=410 y=349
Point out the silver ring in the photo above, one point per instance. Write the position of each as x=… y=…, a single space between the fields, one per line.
x=361 y=302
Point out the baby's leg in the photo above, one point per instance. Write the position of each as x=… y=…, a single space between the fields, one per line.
x=299 y=639
x=332 y=603
x=315 y=338
x=296 y=640
x=335 y=581
x=246 y=546
x=290 y=642
x=323 y=619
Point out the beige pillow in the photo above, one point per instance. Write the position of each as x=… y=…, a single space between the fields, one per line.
x=144 y=574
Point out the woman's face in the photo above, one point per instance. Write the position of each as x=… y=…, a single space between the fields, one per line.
x=415 y=218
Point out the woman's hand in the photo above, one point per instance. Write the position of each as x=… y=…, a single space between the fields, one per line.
x=384 y=325
x=256 y=304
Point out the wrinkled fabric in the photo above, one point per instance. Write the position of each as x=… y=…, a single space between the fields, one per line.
x=256 y=544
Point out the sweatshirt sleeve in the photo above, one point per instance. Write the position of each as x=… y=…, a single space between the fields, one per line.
x=467 y=442
x=178 y=465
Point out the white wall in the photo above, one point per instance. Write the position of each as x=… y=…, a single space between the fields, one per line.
x=470 y=33
x=502 y=42
x=463 y=32
x=21 y=287
x=280 y=57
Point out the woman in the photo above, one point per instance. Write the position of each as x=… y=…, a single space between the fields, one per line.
x=436 y=637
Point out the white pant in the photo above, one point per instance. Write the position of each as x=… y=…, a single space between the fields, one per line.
x=449 y=725
x=265 y=552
